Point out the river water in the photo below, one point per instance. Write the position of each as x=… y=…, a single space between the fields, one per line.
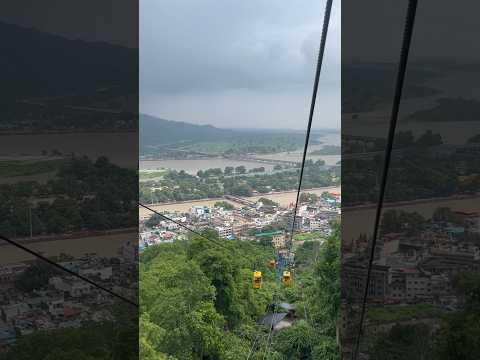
x=451 y=84
x=192 y=166
x=361 y=221
x=115 y=146
x=104 y=245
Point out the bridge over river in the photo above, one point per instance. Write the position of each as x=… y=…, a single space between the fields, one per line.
x=264 y=161
x=251 y=159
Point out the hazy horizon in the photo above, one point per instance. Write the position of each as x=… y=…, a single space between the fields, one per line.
x=242 y=128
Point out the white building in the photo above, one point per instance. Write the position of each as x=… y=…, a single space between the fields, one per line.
x=224 y=231
x=199 y=210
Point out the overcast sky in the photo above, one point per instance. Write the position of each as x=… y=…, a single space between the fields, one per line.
x=238 y=63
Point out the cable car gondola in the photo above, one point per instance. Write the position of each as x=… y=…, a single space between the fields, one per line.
x=286 y=278
x=257 y=279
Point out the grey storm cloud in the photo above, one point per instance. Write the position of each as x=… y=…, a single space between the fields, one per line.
x=230 y=53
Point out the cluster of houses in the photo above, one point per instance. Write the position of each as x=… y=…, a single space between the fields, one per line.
x=61 y=300
x=411 y=268
x=243 y=223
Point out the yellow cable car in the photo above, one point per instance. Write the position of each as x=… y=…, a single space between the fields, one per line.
x=286 y=278
x=257 y=279
x=272 y=264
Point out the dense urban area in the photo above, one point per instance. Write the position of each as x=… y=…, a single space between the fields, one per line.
x=422 y=297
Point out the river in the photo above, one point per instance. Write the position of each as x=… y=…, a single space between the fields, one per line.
x=451 y=84
x=115 y=146
x=193 y=166
x=104 y=245
x=361 y=220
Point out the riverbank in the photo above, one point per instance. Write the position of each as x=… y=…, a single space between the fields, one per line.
x=411 y=202
x=360 y=219
x=106 y=245
x=284 y=198
x=92 y=144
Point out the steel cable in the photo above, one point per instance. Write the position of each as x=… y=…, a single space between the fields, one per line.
x=402 y=67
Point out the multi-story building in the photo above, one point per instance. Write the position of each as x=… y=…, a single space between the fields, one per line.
x=417 y=285
x=241 y=227
x=278 y=240
x=224 y=231
x=353 y=280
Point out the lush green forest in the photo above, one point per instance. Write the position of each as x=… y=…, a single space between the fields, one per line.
x=246 y=143
x=213 y=183
x=83 y=195
x=403 y=139
x=410 y=177
x=197 y=301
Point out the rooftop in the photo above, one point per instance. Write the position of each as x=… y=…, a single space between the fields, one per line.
x=271 y=233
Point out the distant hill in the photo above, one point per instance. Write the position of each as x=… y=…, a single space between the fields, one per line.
x=157 y=131
x=52 y=83
x=449 y=109
x=40 y=64
x=371 y=85
x=174 y=139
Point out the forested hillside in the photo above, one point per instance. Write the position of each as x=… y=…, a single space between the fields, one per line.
x=177 y=139
x=197 y=301
x=156 y=131
x=62 y=66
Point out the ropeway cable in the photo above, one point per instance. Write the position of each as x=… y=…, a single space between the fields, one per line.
x=323 y=40
x=255 y=341
x=270 y=330
x=194 y=232
x=70 y=272
x=402 y=67
x=252 y=350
